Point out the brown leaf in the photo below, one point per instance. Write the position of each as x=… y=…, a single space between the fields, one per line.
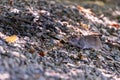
x=86 y=42
x=10 y=2
x=82 y=56
x=41 y=53
x=115 y=25
x=84 y=26
x=32 y=50
x=85 y=10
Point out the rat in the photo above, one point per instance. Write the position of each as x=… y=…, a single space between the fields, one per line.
x=86 y=42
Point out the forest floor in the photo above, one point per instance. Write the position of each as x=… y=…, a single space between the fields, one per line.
x=59 y=40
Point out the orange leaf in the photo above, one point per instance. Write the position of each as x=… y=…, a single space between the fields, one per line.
x=116 y=25
x=11 y=39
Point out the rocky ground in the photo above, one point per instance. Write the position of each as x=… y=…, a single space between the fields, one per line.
x=59 y=40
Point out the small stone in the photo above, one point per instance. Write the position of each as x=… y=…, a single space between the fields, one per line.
x=2 y=50
x=2 y=43
x=4 y=76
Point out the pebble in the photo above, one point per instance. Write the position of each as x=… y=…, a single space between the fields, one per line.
x=56 y=19
x=2 y=50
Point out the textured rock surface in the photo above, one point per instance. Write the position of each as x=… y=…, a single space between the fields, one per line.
x=41 y=51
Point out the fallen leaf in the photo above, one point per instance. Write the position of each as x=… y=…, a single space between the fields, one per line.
x=85 y=10
x=86 y=42
x=84 y=26
x=82 y=56
x=41 y=53
x=115 y=25
x=11 y=39
x=32 y=50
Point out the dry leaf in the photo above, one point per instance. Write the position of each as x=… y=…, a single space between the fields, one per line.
x=32 y=50
x=82 y=56
x=86 y=42
x=41 y=53
x=10 y=2
x=115 y=25
x=84 y=26
x=11 y=39
x=85 y=10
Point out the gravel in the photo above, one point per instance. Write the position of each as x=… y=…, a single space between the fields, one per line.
x=42 y=51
